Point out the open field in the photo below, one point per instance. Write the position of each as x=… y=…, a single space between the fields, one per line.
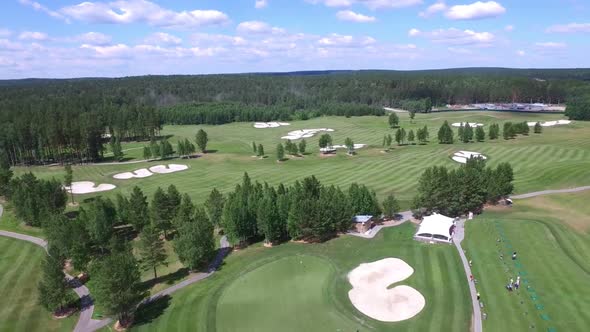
x=274 y=281
x=20 y=270
x=554 y=159
x=550 y=235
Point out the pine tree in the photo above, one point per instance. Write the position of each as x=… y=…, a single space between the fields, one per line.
x=411 y=137
x=116 y=148
x=538 y=128
x=508 y=131
x=5 y=175
x=412 y=115
x=325 y=141
x=302 y=146
x=461 y=132
x=480 y=134
x=280 y=152
x=445 y=134
x=99 y=219
x=388 y=141
x=160 y=212
x=185 y=212
x=151 y=250
x=138 y=214
x=181 y=149
x=214 y=207
x=155 y=148
x=494 y=131
x=525 y=128
x=390 y=206
x=349 y=145
x=403 y=135
x=398 y=136
x=53 y=286
x=195 y=243
x=393 y=120
x=255 y=148
x=68 y=179
x=260 y=151
x=269 y=220
x=116 y=284
x=201 y=139
x=147 y=153
x=174 y=199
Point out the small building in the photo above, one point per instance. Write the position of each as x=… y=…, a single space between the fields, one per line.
x=363 y=223
x=436 y=227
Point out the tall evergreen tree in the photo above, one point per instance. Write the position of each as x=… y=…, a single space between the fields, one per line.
x=411 y=137
x=393 y=120
x=160 y=211
x=255 y=148
x=214 y=207
x=195 y=244
x=538 y=128
x=53 y=286
x=138 y=213
x=349 y=145
x=99 y=219
x=269 y=220
x=185 y=212
x=445 y=134
x=480 y=134
x=151 y=250
x=147 y=153
x=390 y=206
x=260 y=151
x=68 y=179
x=201 y=139
x=302 y=146
x=280 y=152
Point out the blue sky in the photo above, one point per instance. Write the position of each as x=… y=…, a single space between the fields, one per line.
x=73 y=38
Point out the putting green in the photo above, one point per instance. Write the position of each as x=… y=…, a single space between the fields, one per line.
x=291 y=288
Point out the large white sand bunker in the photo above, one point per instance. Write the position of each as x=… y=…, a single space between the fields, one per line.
x=171 y=168
x=263 y=125
x=471 y=124
x=138 y=174
x=305 y=133
x=550 y=123
x=463 y=156
x=369 y=293
x=87 y=187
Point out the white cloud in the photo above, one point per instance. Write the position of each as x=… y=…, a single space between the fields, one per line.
x=476 y=10
x=111 y=51
x=509 y=28
x=337 y=40
x=33 y=35
x=141 y=11
x=349 y=15
x=93 y=38
x=163 y=38
x=39 y=7
x=260 y=4
x=371 y=4
x=258 y=27
x=551 y=45
x=570 y=28
x=439 y=6
x=455 y=36
x=520 y=53
x=5 y=33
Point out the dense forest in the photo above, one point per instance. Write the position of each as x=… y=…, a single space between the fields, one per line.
x=45 y=121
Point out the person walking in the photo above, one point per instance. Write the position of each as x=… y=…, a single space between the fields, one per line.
x=478 y=296
x=514 y=256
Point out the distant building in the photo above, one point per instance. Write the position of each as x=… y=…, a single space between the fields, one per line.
x=363 y=223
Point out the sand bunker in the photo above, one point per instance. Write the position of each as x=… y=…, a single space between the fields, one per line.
x=463 y=156
x=140 y=173
x=369 y=293
x=471 y=124
x=262 y=125
x=550 y=123
x=356 y=146
x=162 y=169
x=87 y=187
x=304 y=133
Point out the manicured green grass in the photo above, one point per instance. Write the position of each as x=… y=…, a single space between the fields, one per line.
x=554 y=159
x=9 y=222
x=20 y=270
x=553 y=253
x=260 y=281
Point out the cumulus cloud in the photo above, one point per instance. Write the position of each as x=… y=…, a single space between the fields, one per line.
x=260 y=4
x=93 y=38
x=33 y=35
x=141 y=11
x=39 y=7
x=349 y=15
x=570 y=28
x=455 y=36
x=551 y=45
x=258 y=27
x=162 y=38
x=439 y=6
x=337 y=40
x=474 y=11
x=371 y=4
x=5 y=33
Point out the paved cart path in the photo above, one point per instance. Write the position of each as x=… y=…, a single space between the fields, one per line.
x=549 y=192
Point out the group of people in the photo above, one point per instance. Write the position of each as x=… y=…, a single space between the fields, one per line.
x=513 y=285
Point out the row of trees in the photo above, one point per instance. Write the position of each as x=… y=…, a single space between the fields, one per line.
x=308 y=210
x=457 y=191
x=467 y=134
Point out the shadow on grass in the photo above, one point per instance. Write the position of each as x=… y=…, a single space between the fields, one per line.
x=147 y=312
x=168 y=279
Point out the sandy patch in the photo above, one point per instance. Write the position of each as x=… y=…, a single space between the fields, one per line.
x=463 y=156
x=263 y=125
x=138 y=174
x=471 y=124
x=356 y=146
x=369 y=293
x=171 y=168
x=550 y=123
x=87 y=187
x=304 y=133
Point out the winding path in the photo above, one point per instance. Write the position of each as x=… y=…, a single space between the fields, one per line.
x=549 y=192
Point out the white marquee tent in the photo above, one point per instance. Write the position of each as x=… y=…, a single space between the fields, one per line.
x=436 y=227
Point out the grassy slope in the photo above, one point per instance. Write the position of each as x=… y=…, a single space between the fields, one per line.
x=554 y=250
x=438 y=276
x=551 y=160
x=20 y=269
